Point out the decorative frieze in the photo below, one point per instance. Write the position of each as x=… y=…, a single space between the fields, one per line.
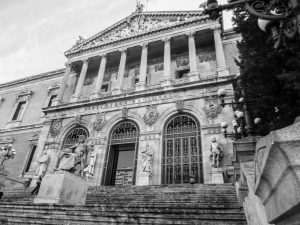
x=151 y=115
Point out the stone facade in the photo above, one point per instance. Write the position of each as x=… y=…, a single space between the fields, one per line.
x=144 y=71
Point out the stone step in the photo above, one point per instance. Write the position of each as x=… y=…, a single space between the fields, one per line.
x=119 y=207
x=94 y=216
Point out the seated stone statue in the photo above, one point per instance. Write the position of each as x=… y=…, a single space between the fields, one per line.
x=215 y=152
x=74 y=159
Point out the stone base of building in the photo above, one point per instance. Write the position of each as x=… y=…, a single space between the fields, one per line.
x=62 y=187
x=217 y=176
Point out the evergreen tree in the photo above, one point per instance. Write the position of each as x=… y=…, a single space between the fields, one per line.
x=269 y=76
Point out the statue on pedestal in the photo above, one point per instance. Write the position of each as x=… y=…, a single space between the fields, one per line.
x=91 y=161
x=43 y=164
x=74 y=159
x=215 y=152
x=147 y=155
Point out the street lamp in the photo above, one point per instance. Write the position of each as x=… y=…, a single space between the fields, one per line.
x=242 y=125
x=281 y=17
x=6 y=152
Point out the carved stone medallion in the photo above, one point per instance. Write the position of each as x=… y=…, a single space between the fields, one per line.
x=55 y=127
x=100 y=121
x=212 y=107
x=151 y=115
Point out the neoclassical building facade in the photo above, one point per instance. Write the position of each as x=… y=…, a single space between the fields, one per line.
x=144 y=87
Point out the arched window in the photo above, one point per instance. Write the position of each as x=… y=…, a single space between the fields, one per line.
x=181 y=151
x=73 y=135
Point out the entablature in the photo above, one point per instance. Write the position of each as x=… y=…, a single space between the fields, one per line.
x=149 y=92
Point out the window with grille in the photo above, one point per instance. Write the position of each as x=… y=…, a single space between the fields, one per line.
x=73 y=136
x=181 y=151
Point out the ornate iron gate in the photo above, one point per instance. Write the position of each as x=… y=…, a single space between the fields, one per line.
x=124 y=135
x=181 y=151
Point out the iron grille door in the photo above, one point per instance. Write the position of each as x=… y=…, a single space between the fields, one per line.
x=181 y=151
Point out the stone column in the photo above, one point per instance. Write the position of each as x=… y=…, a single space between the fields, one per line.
x=143 y=67
x=121 y=71
x=81 y=78
x=63 y=83
x=167 y=61
x=100 y=76
x=221 y=62
x=192 y=52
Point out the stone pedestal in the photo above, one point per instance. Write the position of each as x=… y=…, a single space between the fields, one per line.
x=277 y=171
x=62 y=187
x=217 y=176
x=145 y=179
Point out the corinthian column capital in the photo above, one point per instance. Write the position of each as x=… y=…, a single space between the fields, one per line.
x=123 y=50
x=144 y=45
x=166 y=39
x=103 y=55
x=190 y=33
x=216 y=28
x=85 y=61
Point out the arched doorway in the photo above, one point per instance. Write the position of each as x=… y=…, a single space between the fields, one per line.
x=182 y=153
x=121 y=158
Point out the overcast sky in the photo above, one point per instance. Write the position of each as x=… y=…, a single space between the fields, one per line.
x=35 y=33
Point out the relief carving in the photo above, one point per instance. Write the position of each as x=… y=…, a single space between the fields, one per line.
x=182 y=62
x=55 y=127
x=100 y=121
x=124 y=113
x=159 y=67
x=151 y=115
x=179 y=105
x=207 y=57
x=212 y=107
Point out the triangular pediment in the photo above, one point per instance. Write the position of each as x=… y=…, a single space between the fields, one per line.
x=136 y=25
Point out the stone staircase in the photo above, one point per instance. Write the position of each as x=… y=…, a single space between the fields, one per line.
x=173 y=204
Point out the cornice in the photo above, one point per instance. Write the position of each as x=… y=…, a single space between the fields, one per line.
x=114 y=98
x=32 y=78
x=21 y=128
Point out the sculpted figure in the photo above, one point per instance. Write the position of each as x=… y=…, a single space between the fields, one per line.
x=74 y=159
x=91 y=161
x=43 y=164
x=215 y=152
x=147 y=155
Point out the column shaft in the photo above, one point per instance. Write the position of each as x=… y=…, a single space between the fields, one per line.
x=143 y=66
x=121 y=70
x=64 y=82
x=192 y=52
x=81 y=77
x=221 y=62
x=101 y=72
x=167 y=58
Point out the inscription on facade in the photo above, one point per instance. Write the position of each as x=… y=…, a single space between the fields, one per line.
x=128 y=102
